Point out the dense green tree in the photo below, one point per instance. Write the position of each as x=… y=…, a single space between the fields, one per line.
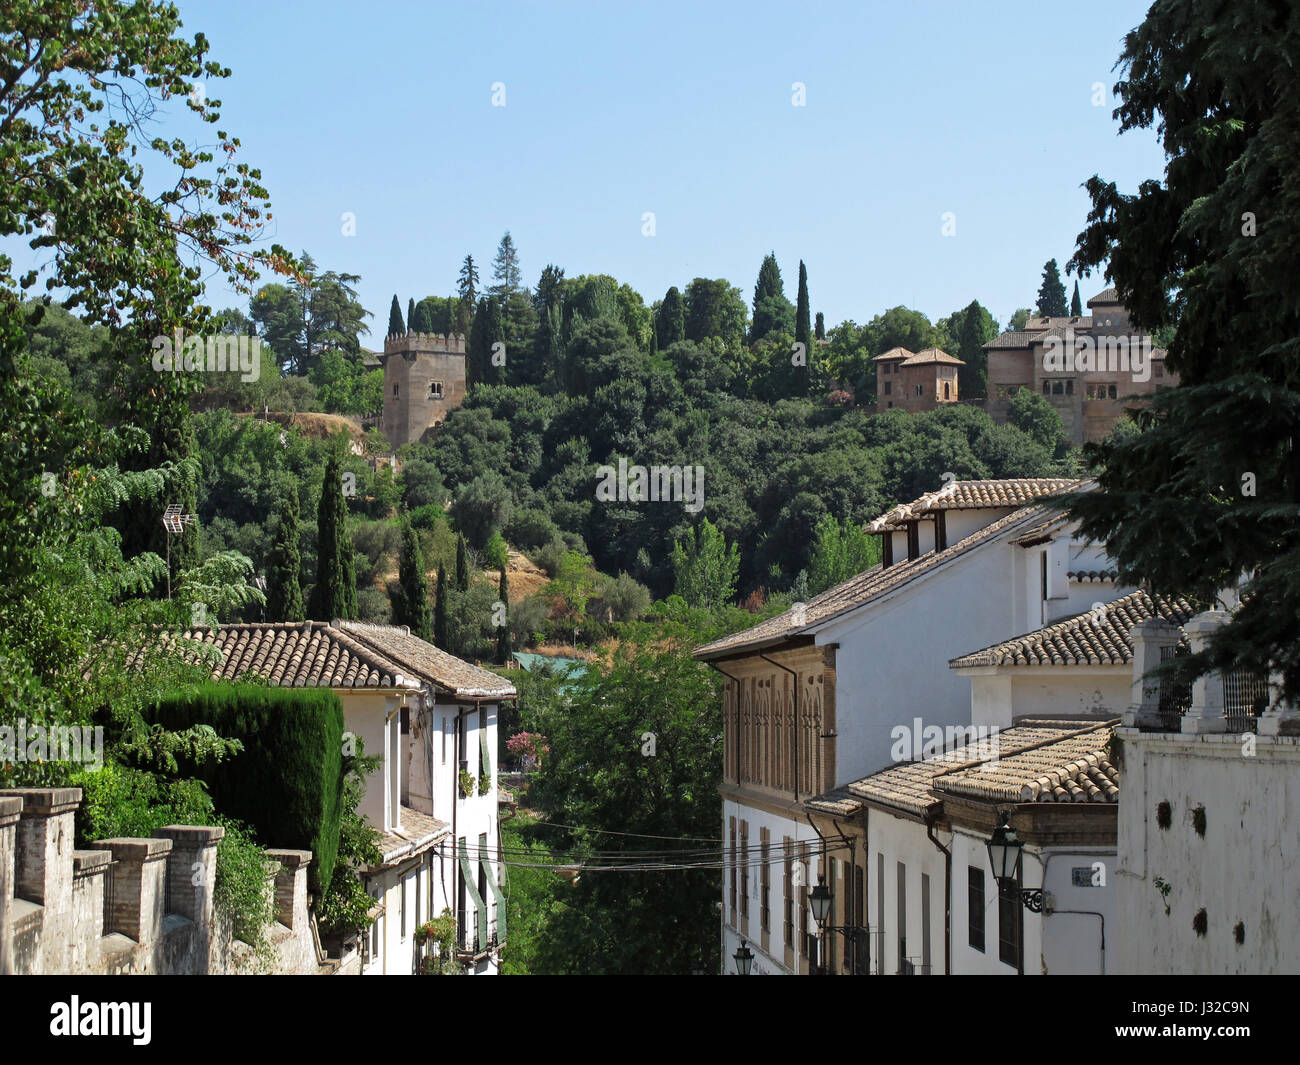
x=1018 y=320
x=462 y=564
x=652 y=723
x=705 y=567
x=482 y=507
x=840 y=552
x=410 y=314
x=1209 y=490
x=1076 y=304
x=411 y=596
x=420 y=322
x=715 y=309
x=440 y=612
x=335 y=592
x=315 y=313
x=1051 y=293
x=820 y=329
x=484 y=364
x=802 y=325
x=977 y=328
x=284 y=569
x=1036 y=417
x=772 y=311
x=396 y=327
x=670 y=323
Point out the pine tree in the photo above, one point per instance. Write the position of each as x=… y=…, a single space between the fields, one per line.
x=440 y=612
x=462 y=564
x=467 y=285
x=504 y=648
x=335 y=593
x=396 y=327
x=411 y=603
x=506 y=276
x=670 y=323
x=802 y=330
x=1051 y=293
x=1076 y=304
x=820 y=328
x=284 y=584
x=410 y=314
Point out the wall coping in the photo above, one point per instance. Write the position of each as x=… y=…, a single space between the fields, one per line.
x=137 y=848
x=191 y=833
x=88 y=863
x=45 y=802
x=288 y=857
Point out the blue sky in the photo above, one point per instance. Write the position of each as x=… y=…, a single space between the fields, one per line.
x=615 y=109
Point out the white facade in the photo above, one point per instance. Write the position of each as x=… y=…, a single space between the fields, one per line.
x=1240 y=873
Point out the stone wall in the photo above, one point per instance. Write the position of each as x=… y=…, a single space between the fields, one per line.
x=130 y=905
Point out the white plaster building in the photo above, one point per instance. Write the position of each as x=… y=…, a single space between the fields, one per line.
x=431 y=717
x=812 y=697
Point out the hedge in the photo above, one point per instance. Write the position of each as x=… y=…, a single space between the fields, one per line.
x=288 y=781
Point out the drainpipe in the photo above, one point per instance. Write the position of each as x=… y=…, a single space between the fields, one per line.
x=714 y=665
x=1043 y=861
x=947 y=894
x=825 y=866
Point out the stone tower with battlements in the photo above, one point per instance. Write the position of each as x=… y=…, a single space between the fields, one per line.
x=424 y=378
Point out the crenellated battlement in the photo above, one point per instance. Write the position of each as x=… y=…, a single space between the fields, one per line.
x=434 y=343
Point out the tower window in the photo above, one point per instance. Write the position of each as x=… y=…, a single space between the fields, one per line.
x=395 y=388
x=435 y=390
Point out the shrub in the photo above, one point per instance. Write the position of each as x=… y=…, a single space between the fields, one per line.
x=288 y=781
x=531 y=528
x=428 y=515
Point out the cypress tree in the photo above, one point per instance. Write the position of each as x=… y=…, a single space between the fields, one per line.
x=421 y=322
x=486 y=331
x=802 y=327
x=462 y=564
x=396 y=327
x=1076 y=304
x=411 y=603
x=504 y=649
x=410 y=315
x=820 y=328
x=440 y=611
x=335 y=593
x=1051 y=293
x=284 y=584
x=771 y=309
x=670 y=323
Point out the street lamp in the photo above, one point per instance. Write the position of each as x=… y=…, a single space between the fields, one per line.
x=744 y=959
x=1005 y=850
x=820 y=898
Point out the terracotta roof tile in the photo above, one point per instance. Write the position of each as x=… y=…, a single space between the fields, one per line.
x=418 y=832
x=1073 y=768
x=1080 y=640
x=974 y=495
x=423 y=658
x=932 y=355
x=894 y=353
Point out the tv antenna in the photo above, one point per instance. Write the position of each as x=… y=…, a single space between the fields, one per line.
x=174 y=523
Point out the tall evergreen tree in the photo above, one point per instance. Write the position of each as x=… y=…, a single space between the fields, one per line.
x=284 y=582
x=820 y=328
x=466 y=297
x=420 y=322
x=1076 y=304
x=440 y=612
x=976 y=327
x=410 y=314
x=506 y=275
x=504 y=649
x=802 y=326
x=1051 y=293
x=335 y=593
x=411 y=602
x=462 y=563
x=771 y=309
x=670 y=322
x=485 y=332
x=396 y=327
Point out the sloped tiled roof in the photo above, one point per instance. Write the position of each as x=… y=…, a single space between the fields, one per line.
x=1106 y=295
x=894 y=353
x=1080 y=640
x=1033 y=749
x=418 y=656
x=1074 y=768
x=932 y=355
x=418 y=832
x=974 y=495
x=303 y=654
x=856 y=592
x=1013 y=339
